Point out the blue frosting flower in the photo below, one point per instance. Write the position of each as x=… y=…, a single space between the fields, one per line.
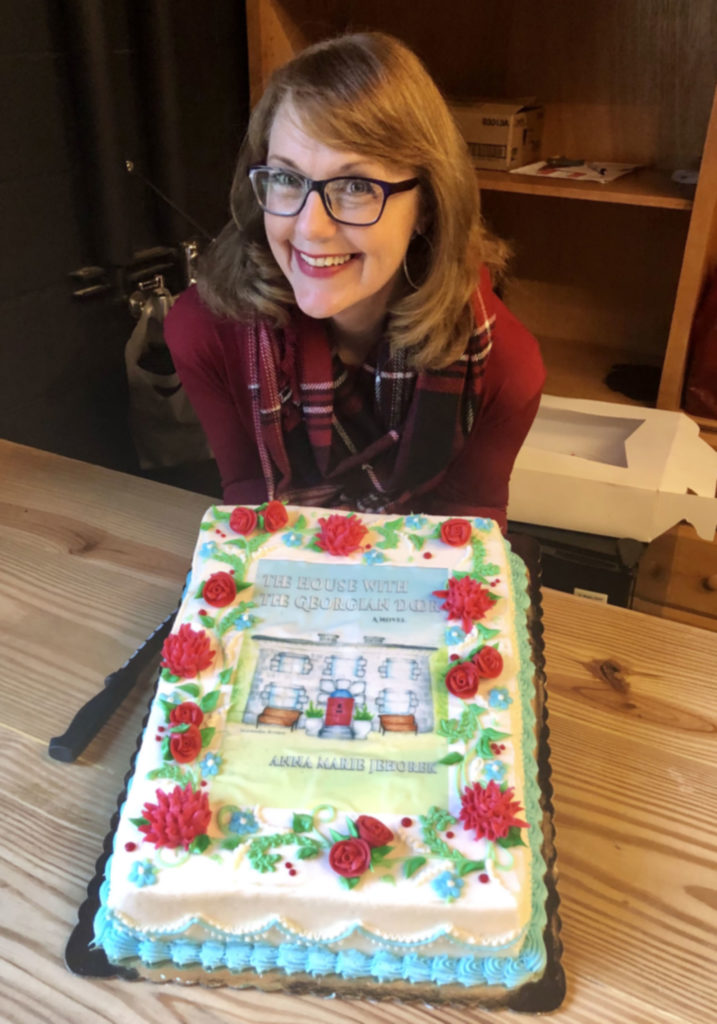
x=243 y=823
x=495 y=770
x=208 y=548
x=143 y=873
x=292 y=539
x=210 y=764
x=454 y=635
x=448 y=886
x=481 y=523
x=374 y=557
x=245 y=621
x=415 y=522
x=498 y=698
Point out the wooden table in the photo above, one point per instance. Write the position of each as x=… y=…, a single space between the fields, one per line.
x=92 y=560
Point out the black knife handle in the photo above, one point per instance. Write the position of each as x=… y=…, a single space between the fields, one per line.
x=89 y=720
x=92 y=716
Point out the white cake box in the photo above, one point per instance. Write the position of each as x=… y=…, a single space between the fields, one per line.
x=615 y=470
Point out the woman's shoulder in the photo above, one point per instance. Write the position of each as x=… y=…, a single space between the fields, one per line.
x=515 y=364
x=192 y=330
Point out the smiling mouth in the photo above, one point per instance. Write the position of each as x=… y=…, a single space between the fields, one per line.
x=324 y=261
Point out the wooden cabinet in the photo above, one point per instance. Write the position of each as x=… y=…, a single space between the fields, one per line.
x=677 y=578
x=602 y=274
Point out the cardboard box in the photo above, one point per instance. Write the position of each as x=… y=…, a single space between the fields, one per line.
x=500 y=133
x=614 y=470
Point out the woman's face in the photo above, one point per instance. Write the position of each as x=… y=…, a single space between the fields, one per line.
x=355 y=290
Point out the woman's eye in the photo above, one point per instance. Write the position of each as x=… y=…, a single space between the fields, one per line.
x=358 y=187
x=285 y=179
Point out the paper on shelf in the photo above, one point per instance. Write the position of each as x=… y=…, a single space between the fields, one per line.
x=591 y=171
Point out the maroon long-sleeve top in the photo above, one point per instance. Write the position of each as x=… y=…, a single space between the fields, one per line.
x=209 y=354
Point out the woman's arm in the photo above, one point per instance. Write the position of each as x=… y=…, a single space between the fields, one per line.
x=207 y=356
x=476 y=483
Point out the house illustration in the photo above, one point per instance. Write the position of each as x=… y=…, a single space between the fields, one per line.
x=390 y=682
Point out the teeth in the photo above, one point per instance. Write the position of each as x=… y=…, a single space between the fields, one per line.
x=324 y=261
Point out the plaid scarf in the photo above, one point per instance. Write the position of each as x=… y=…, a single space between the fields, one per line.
x=372 y=437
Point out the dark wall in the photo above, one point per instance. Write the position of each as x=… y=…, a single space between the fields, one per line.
x=85 y=84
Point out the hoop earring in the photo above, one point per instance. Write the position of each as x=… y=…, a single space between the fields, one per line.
x=427 y=244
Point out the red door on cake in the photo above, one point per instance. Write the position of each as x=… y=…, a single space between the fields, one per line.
x=339 y=708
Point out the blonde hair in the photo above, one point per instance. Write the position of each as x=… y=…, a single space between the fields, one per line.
x=368 y=93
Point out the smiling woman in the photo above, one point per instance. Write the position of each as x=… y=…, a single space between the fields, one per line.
x=344 y=346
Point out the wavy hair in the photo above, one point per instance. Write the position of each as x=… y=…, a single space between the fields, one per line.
x=368 y=93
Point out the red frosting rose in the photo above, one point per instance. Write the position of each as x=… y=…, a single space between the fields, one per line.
x=373 y=831
x=177 y=818
x=275 y=516
x=466 y=600
x=462 y=680
x=186 y=713
x=219 y=590
x=340 y=535
x=185 y=746
x=488 y=662
x=243 y=520
x=456 y=532
x=350 y=857
x=490 y=810
x=187 y=652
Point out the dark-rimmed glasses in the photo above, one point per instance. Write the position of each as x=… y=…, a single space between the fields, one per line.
x=348 y=200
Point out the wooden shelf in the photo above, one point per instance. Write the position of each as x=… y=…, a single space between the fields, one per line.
x=645 y=187
x=577 y=369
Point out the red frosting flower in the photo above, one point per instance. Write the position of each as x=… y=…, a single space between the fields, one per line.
x=350 y=857
x=340 y=535
x=219 y=590
x=275 y=516
x=187 y=652
x=373 y=831
x=243 y=520
x=466 y=600
x=177 y=818
x=185 y=746
x=186 y=713
x=488 y=662
x=456 y=532
x=462 y=680
x=490 y=810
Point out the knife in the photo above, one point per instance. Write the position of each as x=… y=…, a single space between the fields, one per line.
x=92 y=716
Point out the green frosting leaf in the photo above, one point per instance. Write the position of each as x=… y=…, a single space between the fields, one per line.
x=302 y=823
x=411 y=866
x=209 y=701
x=514 y=838
x=453 y=758
x=139 y=821
x=308 y=849
x=466 y=866
x=231 y=842
x=487 y=737
x=199 y=844
x=207 y=735
x=190 y=688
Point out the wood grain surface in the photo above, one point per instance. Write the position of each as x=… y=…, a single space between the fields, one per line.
x=91 y=561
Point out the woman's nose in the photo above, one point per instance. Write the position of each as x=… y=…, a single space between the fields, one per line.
x=314 y=220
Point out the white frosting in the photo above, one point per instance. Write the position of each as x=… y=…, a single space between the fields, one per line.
x=221 y=889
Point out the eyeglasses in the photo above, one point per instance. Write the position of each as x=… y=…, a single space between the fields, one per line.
x=355 y=201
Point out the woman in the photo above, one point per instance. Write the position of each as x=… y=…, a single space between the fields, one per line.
x=343 y=347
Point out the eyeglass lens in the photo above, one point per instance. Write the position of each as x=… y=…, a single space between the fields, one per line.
x=354 y=200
